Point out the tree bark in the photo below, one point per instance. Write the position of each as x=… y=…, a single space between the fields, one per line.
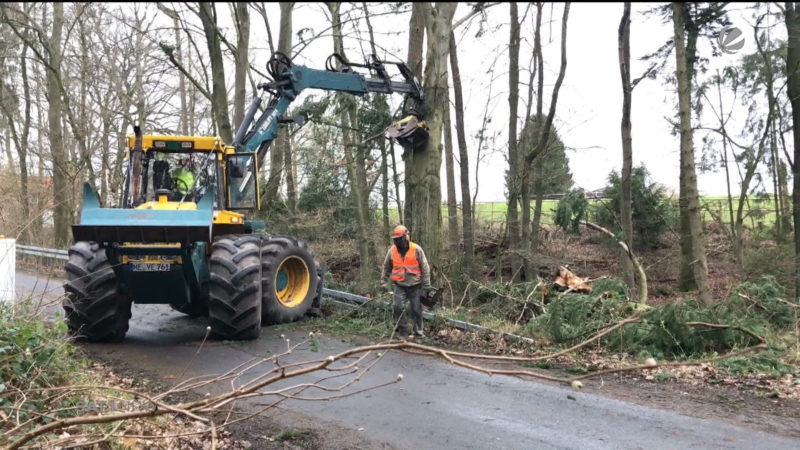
x=626 y=205
x=545 y=129
x=466 y=204
x=793 y=85
x=61 y=189
x=219 y=93
x=276 y=159
x=686 y=275
x=416 y=37
x=513 y=183
x=423 y=166
x=692 y=202
x=242 y=21
x=396 y=181
x=452 y=209
x=183 y=125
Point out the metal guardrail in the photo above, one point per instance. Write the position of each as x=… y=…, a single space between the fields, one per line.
x=331 y=293
x=41 y=251
x=460 y=324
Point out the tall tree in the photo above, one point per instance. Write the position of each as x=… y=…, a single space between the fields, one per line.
x=279 y=150
x=424 y=166
x=241 y=15
x=355 y=159
x=452 y=209
x=414 y=58
x=792 y=19
x=689 y=194
x=537 y=150
x=513 y=183
x=219 y=92
x=625 y=213
x=463 y=160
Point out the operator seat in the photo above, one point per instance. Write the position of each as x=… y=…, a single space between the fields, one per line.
x=161 y=176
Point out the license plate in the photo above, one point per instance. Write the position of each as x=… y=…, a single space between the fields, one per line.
x=149 y=267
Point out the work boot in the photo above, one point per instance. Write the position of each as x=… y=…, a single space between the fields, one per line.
x=419 y=334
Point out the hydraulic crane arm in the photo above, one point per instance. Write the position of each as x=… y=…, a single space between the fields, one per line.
x=255 y=135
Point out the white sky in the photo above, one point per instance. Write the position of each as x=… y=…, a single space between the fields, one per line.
x=590 y=100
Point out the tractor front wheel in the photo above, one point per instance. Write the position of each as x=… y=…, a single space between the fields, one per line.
x=234 y=302
x=289 y=279
x=93 y=306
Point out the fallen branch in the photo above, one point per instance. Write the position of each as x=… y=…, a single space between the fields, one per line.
x=634 y=260
x=341 y=364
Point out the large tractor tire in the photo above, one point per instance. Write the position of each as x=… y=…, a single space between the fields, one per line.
x=289 y=279
x=94 y=307
x=316 y=304
x=234 y=303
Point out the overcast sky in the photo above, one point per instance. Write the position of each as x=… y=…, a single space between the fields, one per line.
x=589 y=106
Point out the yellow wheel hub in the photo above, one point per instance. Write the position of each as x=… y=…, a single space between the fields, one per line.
x=292 y=280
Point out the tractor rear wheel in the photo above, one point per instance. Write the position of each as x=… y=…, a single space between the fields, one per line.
x=234 y=301
x=289 y=279
x=94 y=307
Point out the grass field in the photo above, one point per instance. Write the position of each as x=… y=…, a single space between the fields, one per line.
x=714 y=208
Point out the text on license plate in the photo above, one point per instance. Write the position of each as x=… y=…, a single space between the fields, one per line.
x=148 y=267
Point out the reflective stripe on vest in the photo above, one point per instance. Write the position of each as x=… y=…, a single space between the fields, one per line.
x=408 y=264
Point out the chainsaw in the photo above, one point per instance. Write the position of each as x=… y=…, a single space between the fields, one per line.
x=429 y=297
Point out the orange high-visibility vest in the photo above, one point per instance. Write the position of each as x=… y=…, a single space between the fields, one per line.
x=407 y=264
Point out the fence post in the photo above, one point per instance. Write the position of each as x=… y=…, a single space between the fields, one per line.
x=8 y=262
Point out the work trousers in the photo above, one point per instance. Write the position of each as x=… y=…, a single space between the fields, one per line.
x=401 y=294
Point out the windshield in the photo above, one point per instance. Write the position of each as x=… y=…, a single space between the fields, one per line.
x=181 y=176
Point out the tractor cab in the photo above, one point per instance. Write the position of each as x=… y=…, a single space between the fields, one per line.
x=175 y=172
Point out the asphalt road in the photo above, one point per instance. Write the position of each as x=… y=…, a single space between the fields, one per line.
x=437 y=405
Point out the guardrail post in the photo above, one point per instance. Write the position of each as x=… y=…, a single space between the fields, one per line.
x=8 y=263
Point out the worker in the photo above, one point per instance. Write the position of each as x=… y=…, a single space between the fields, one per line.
x=183 y=177
x=409 y=272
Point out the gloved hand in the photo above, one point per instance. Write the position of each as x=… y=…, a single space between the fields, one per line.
x=389 y=287
x=428 y=287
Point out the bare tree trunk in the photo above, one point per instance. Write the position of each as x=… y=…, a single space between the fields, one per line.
x=385 y=188
x=686 y=275
x=525 y=183
x=291 y=188
x=776 y=197
x=356 y=173
x=184 y=118
x=512 y=183
x=384 y=175
x=242 y=21
x=466 y=204
x=276 y=159
x=546 y=128
x=424 y=166
x=696 y=236
x=396 y=181
x=219 y=93
x=61 y=211
x=725 y=156
x=793 y=86
x=626 y=213
x=452 y=210
x=416 y=35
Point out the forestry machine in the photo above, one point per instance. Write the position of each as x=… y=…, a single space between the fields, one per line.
x=181 y=235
